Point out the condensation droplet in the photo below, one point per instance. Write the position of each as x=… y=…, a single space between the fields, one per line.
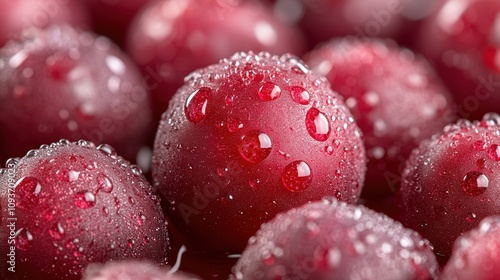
x=104 y=183
x=56 y=231
x=479 y=145
x=297 y=176
x=475 y=183
x=255 y=146
x=471 y=217
x=269 y=91
x=23 y=239
x=196 y=105
x=136 y=169
x=317 y=125
x=300 y=95
x=107 y=150
x=494 y=152
x=84 y=200
x=233 y=124
x=27 y=192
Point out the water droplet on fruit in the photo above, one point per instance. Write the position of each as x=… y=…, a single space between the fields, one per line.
x=317 y=124
x=328 y=150
x=479 y=145
x=27 y=192
x=255 y=146
x=136 y=169
x=56 y=231
x=104 y=183
x=64 y=142
x=31 y=153
x=300 y=95
x=131 y=200
x=73 y=175
x=23 y=239
x=115 y=64
x=296 y=176
x=12 y=162
x=107 y=150
x=84 y=200
x=471 y=217
x=254 y=184
x=494 y=152
x=269 y=91
x=475 y=183
x=59 y=65
x=196 y=105
x=234 y=124
x=334 y=257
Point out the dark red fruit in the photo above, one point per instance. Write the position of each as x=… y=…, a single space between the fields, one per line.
x=323 y=20
x=131 y=270
x=475 y=254
x=21 y=14
x=171 y=38
x=112 y=18
x=452 y=181
x=396 y=99
x=335 y=240
x=463 y=39
x=62 y=83
x=75 y=204
x=247 y=138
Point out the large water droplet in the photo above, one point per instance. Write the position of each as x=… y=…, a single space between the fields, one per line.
x=196 y=105
x=255 y=146
x=317 y=125
x=23 y=239
x=269 y=91
x=27 y=192
x=297 y=176
x=494 y=152
x=300 y=95
x=475 y=183
x=104 y=183
x=107 y=150
x=84 y=200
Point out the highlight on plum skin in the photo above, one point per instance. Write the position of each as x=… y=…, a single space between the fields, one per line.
x=64 y=83
x=451 y=182
x=77 y=204
x=169 y=39
x=334 y=240
x=247 y=138
x=395 y=97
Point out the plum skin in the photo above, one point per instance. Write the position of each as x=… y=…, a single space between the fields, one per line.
x=209 y=187
x=76 y=205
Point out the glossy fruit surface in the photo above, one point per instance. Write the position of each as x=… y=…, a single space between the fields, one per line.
x=131 y=270
x=451 y=182
x=475 y=254
x=463 y=40
x=250 y=137
x=63 y=83
x=396 y=99
x=335 y=240
x=20 y=14
x=75 y=204
x=171 y=38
